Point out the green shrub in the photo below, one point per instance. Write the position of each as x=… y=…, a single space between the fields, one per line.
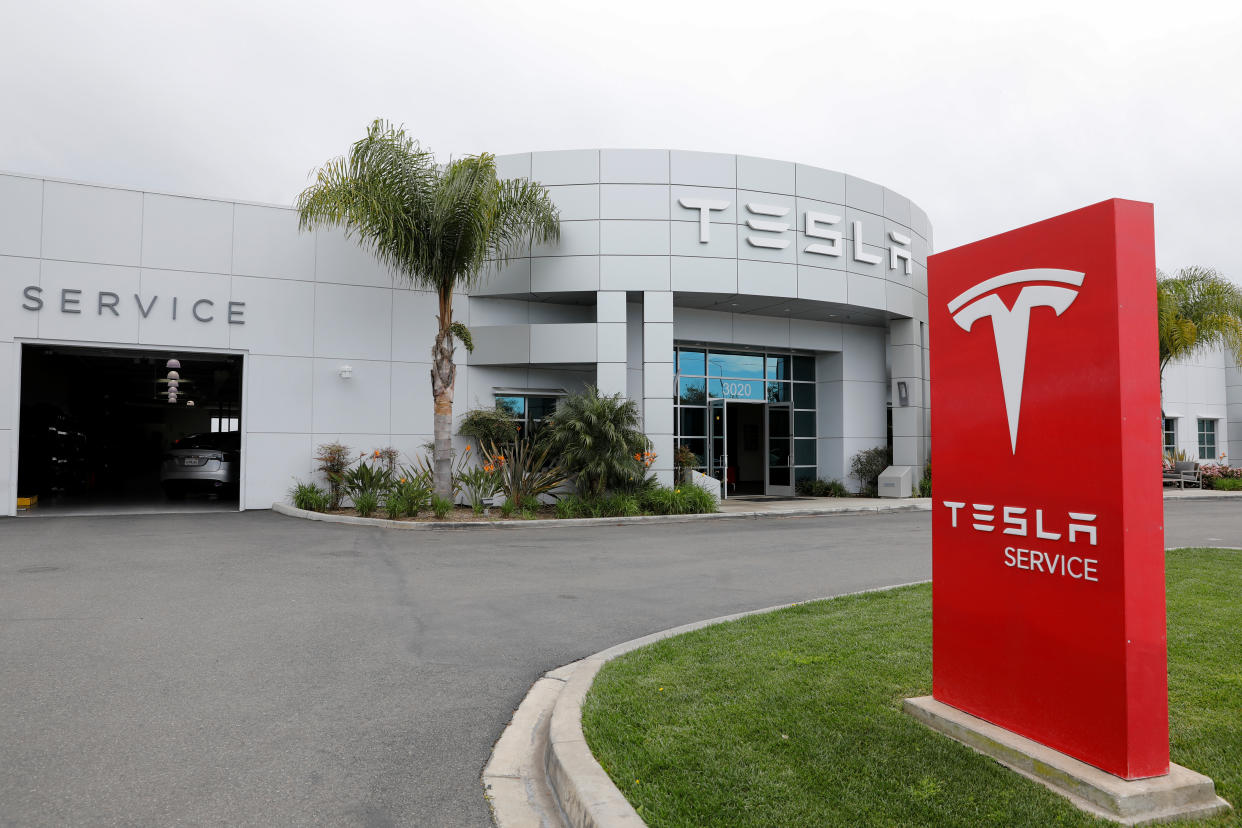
x=1227 y=484
x=441 y=506
x=489 y=426
x=333 y=460
x=569 y=507
x=367 y=478
x=925 y=484
x=309 y=497
x=697 y=500
x=365 y=503
x=866 y=467
x=821 y=488
x=599 y=441
x=396 y=504
x=507 y=508
x=620 y=505
x=479 y=484
x=525 y=470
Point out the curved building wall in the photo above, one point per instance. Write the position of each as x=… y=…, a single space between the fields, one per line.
x=659 y=246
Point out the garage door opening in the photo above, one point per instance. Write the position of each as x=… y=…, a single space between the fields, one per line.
x=116 y=431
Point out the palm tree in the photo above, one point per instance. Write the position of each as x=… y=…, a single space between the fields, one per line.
x=438 y=226
x=1199 y=309
x=598 y=439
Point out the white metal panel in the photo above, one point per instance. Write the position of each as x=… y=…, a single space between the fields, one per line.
x=353 y=322
x=359 y=404
x=279 y=314
x=21 y=215
x=186 y=233
x=91 y=224
x=279 y=398
x=267 y=242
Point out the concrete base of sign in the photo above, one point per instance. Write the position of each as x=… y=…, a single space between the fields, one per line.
x=1182 y=794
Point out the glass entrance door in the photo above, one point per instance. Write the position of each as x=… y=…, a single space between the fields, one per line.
x=780 y=448
x=718 y=444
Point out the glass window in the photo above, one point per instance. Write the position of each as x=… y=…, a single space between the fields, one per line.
x=516 y=406
x=699 y=447
x=693 y=392
x=692 y=422
x=743 y=366
x=740 y=389
x=1207 y=439
x=528 y=412
x=804 y=474
x=804 y=368
x=1170 y=435
x=804 y=452
x=778 y=367
x=804 y=395
x=693 y=363
x=804 y=423
x=778 y=391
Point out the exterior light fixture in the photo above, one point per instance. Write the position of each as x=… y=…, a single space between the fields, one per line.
x=346 y=371
x=172 y=363
x=173 y=376
x=189 y=403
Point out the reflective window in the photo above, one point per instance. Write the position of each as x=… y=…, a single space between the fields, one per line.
x=692 y=363
x=778 y=391
x=804 y=368
x=778 y=367
x=743 y=366
x=731 y=389
x=692 y=392
x=803 y=395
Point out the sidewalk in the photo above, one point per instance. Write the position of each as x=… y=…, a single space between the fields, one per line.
x=754 y=505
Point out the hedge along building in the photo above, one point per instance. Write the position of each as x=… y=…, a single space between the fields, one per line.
x=766 y=314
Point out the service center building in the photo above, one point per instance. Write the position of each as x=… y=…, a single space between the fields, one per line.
x=768 y=315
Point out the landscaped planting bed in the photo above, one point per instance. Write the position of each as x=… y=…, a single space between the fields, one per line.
x=794 y=718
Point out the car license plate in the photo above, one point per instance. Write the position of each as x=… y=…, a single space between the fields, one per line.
x=193 y=461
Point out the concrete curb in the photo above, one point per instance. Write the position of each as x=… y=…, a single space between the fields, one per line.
x=1201 y=494
x=542 y=772
x=286 y=509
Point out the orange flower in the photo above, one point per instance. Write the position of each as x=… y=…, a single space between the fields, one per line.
x=375 y=453
x=467 y=449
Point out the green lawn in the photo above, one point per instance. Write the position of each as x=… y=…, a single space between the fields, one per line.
x=794 y=717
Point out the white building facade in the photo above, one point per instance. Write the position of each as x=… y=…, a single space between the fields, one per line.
x=770 y=316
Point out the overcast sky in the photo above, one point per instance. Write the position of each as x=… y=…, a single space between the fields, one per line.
x=988 y=115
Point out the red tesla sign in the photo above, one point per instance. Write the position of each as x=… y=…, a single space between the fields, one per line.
x=1048 y=535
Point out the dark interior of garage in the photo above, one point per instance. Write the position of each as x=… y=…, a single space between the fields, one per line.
x=126 y=430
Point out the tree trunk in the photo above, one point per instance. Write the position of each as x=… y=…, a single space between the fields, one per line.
x=443 y=377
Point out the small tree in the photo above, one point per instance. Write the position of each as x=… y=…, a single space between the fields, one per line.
x=597 y=437
x=867 y=466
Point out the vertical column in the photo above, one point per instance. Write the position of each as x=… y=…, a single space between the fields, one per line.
x=909 y=402
x=610 y=368
x=658 y=380
x=850 y=392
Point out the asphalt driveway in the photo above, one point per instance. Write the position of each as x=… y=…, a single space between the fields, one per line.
x=252 y=669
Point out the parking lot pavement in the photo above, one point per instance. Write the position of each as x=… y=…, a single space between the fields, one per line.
x=253 y=669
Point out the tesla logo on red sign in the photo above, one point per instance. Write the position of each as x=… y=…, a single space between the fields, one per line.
x=1011 y=325
x=1047 y=547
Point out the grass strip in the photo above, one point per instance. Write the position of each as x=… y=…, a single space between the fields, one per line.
x=793 y=718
